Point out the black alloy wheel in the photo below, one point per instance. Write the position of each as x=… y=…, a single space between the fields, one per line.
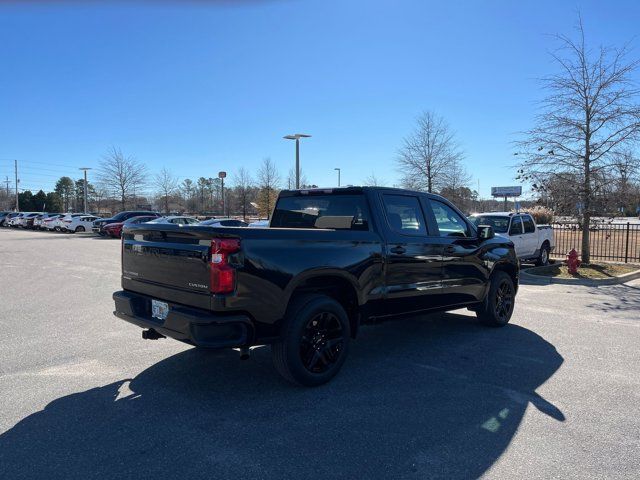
x=321 y=342
x=314 y=340
x=504 y=300
x=497 y=308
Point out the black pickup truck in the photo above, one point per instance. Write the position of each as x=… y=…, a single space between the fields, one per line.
x=330 y=261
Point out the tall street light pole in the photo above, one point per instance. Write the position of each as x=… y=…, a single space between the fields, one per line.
x=297 y=137
x=84 y=187
x=338 y=170
x=15 y=163
x=221 y=176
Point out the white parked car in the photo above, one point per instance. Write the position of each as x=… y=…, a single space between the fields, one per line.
x=38 y=222
x=19 y=221
x=82 y=223
x=60 y=223
x=533 y=243
x=51 y=221
x=13 y=221
x=66 y=221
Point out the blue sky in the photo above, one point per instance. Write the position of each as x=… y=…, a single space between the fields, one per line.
x=199 y=86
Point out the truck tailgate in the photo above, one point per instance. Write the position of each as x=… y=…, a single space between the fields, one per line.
x=169 y=262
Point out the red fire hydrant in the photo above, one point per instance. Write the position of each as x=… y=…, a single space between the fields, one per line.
x=573 y=262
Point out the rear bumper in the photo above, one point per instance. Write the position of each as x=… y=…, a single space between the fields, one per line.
x=190 y=325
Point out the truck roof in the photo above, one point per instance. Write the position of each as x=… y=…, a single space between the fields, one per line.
x=351 y=189
x=499 y=214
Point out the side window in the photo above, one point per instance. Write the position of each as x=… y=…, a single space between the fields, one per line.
x=450 y=223
x=529 y=226
x=404 y=214
x=516 y=226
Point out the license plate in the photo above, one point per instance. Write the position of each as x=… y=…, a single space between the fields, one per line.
x=159 y=309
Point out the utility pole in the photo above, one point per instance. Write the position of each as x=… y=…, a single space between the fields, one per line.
x=338 y=170
x=84 y=187
x=17 y=198
x=7 y=181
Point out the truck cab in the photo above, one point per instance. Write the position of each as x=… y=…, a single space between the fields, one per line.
x=532 y=242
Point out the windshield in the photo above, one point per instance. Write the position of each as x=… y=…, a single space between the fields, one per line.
x=499 y=223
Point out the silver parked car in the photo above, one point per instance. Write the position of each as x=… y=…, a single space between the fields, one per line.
x=176 y=220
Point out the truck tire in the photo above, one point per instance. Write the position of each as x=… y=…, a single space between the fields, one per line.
x=497 y=308
x=314 y=342
x=543 y=258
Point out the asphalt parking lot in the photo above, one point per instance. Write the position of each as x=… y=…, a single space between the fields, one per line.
x=556 y=394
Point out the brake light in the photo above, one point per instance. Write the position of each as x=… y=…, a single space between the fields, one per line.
x=223 y=275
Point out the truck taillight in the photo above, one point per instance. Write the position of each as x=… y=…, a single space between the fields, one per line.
x=223 y=275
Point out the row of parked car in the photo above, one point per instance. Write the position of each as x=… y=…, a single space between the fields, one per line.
x=59 y=222
x=111 y=227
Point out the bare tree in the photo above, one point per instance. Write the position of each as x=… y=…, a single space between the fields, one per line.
x=243 y=183
x=626 y=170
x=122 y=175
x=456 y=188
x=589 y=115
x=187 y=192
x=167 y=186
x=428 y=154
x=373 y=181
x=291 y=179
x=268 y=183
x=456 y=177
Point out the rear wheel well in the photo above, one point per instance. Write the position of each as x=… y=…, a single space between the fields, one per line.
x=338 y=288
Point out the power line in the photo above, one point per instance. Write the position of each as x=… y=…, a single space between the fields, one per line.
x=9 y=160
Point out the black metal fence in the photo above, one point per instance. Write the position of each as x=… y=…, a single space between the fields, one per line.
x=616 y=242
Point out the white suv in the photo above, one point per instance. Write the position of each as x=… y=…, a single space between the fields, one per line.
x=80 y=224
x=64 y=222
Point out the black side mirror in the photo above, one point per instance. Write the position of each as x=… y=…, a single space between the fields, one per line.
x=485 y=232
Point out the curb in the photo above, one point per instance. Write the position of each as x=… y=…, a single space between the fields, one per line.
x=529 y=279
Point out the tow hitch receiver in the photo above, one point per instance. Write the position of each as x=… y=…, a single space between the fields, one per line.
x=151 y=334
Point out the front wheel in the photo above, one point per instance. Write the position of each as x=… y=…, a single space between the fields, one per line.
x=497 y=308
x=79 y=229
x=314 y=342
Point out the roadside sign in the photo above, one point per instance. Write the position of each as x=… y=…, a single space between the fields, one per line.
x=514 y=191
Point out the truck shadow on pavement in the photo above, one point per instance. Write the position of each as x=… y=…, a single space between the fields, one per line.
x=624 y=298
x=435 y=398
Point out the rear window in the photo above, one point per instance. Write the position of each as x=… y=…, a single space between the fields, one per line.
x=336 y=212
x=232 y=223
x=500 y=224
